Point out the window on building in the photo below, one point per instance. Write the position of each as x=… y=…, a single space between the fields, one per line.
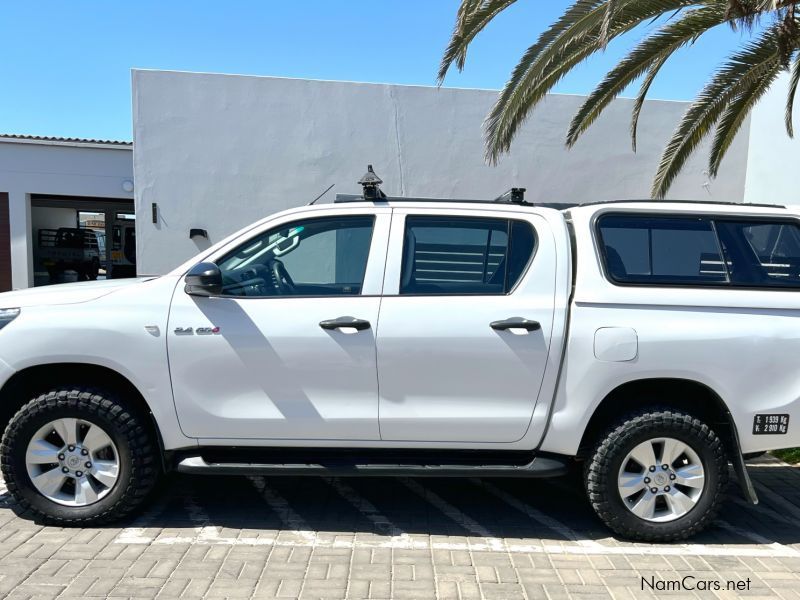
x=464 y=255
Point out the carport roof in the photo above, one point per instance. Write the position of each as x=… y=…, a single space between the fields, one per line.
x=66 y=141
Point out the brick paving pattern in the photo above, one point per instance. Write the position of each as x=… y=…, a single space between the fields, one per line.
x=238 y=537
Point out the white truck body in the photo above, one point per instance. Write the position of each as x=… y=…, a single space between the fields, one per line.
x=471 y=388
x=429 y=373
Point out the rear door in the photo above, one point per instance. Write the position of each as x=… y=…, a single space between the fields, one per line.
x=465 y=324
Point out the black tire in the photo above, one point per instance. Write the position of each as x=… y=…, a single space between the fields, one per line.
x=136 y=448
x=602 y=470
x=94 y=269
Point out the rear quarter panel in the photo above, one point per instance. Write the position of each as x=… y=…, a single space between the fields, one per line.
x=742 y=344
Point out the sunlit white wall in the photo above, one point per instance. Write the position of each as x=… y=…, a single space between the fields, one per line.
x=219 y=151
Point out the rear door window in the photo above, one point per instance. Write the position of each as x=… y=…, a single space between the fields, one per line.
x=464 y=255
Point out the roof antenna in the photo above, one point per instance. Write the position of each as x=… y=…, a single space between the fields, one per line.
x=322 y=194
x=372 y=185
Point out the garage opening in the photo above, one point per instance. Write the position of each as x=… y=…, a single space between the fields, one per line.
x=82 y=239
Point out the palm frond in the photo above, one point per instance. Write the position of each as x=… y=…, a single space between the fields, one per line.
x=543 y=65
x=742 y=13
x=469 y=24
x=788 y=33
x=472 y=17
x=643 y=89
x=587 y=26
x=611 y=11
x=653 y=50
x=793 y=81
x=584 y=28
x=740 y=73
x=735 y=114
x=747 y=13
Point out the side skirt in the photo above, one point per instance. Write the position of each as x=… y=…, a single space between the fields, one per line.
x=364 y=465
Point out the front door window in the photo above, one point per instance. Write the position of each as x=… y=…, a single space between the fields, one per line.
x=313 y=257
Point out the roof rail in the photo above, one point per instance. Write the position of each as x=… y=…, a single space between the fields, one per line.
x=657 y=202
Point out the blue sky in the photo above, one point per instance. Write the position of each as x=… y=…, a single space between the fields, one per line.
x=66 y=65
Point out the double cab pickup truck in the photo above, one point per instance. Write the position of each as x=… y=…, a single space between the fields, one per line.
x=651 y=344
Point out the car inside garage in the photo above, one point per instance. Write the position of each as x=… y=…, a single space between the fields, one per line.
x=82 y=239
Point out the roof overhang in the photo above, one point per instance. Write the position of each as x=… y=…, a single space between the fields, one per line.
x=69 y=142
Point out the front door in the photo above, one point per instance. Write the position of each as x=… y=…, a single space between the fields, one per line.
x=288 y=350
x=465 y=325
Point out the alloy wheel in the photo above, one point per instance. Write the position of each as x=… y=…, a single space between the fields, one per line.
x=661 y=479
x=72 y=462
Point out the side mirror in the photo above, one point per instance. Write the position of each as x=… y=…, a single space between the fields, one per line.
x=204 y=279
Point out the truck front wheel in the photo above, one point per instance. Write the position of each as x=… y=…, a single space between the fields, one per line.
x=78 y=456
x=657 y=476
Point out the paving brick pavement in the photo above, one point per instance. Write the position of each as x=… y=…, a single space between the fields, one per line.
x=238 y=537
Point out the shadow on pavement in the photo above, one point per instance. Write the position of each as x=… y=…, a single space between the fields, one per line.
x=538 y=509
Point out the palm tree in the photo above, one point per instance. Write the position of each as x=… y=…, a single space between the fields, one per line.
x=773 y=32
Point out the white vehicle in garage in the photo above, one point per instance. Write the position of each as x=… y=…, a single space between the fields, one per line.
x=651 y=342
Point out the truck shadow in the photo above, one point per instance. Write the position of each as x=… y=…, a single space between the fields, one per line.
x=539 y=511
x=536 y=511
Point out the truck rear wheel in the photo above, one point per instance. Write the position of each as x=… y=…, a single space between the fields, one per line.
x=657 y=476
x=78 y=456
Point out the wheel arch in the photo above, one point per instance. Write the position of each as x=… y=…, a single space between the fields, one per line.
x=688 y=395
x=29 y=382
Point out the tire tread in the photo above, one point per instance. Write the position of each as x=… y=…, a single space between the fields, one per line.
x=659 y=422
x=89 y=401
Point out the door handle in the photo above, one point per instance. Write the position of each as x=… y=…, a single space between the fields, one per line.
x=350 y=322
x=507 y=324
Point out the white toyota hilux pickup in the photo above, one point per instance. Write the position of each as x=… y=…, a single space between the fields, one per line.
x=652 y=343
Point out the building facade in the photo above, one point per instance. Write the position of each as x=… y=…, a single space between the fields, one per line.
x=216 y=152
x=46 y=184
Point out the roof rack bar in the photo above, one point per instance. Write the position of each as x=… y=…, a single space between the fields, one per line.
x=340 y=198
x=345 y=198
x=371 y=184
x=513 y=196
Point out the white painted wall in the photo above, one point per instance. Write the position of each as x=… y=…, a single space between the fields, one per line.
x=220 y=151
x=59 y=169
x=774 y=157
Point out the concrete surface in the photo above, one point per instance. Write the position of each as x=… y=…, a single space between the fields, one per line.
x=215 y=537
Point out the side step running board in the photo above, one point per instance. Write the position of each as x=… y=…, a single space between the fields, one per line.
x=541 y=466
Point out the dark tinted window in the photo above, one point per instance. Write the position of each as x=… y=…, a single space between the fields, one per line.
x=314 y=257
x=464 y=255
x=761 y=254
x=676 y=250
